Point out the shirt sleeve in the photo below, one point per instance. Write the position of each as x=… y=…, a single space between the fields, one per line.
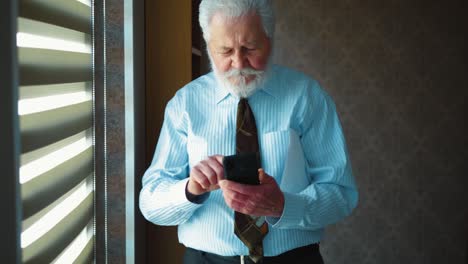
x=332 y=193
x=163 y=199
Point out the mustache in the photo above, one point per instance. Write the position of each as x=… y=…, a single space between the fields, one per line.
x=242 y=72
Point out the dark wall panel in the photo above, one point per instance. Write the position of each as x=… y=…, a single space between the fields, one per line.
x=398 y=73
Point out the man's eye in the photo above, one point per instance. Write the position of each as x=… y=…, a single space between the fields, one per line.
x=225 y=52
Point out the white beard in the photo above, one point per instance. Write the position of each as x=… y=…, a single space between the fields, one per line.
x=235 y=80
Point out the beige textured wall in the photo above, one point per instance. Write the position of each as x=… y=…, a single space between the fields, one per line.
x=397 y=71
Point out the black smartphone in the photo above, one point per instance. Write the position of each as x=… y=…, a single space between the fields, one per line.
x=242 y=168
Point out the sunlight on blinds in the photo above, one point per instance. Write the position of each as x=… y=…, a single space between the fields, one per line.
x=77 y=246
x=52 y=218
x=55 y=107
x=86 y=2
x=26 y=40
x=40 y=104
x=37 y=167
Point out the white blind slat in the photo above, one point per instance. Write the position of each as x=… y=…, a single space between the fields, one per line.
x=44 y=128
x=71 y=14
x=47 y=237
x=41 y=66
x=41 y=152
x=81 y=249
x=38 y=91
x=48 y=187
x=35 y=34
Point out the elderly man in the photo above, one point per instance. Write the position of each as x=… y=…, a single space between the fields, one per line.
x=247 y=105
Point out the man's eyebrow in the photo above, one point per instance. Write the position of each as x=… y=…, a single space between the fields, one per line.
x=224 y=48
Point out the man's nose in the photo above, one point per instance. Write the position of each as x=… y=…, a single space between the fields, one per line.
x=238 y=60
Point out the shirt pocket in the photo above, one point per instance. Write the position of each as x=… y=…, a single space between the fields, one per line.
x=197 y=149
x=294 y=177
x=274 y=147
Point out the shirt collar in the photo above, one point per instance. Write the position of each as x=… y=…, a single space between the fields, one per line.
x=221 y=93
x=269 y=88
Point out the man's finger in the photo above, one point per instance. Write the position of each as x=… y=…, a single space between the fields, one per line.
x=235 y=196
x=219 y=158
x=200 y=178
x=208 y=173
x=217 y=167
x=238 y=187
x=261 y=175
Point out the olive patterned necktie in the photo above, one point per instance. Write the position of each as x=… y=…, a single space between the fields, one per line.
x=250 y=229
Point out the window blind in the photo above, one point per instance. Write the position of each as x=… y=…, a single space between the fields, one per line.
x=55 y=110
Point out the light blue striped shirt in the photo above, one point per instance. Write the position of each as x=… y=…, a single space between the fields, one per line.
x=301 y=146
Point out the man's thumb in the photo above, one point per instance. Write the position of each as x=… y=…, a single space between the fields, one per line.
x=262 y=177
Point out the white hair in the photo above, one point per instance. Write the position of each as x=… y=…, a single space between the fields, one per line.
x=235 y=9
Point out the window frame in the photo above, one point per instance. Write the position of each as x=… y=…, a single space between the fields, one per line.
x=9 y=134
x=10 y=191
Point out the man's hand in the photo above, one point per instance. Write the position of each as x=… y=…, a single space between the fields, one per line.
x=265 y=199
x=204 y=176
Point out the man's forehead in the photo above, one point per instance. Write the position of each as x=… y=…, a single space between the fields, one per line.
x=227 y=44
x=246 y=29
